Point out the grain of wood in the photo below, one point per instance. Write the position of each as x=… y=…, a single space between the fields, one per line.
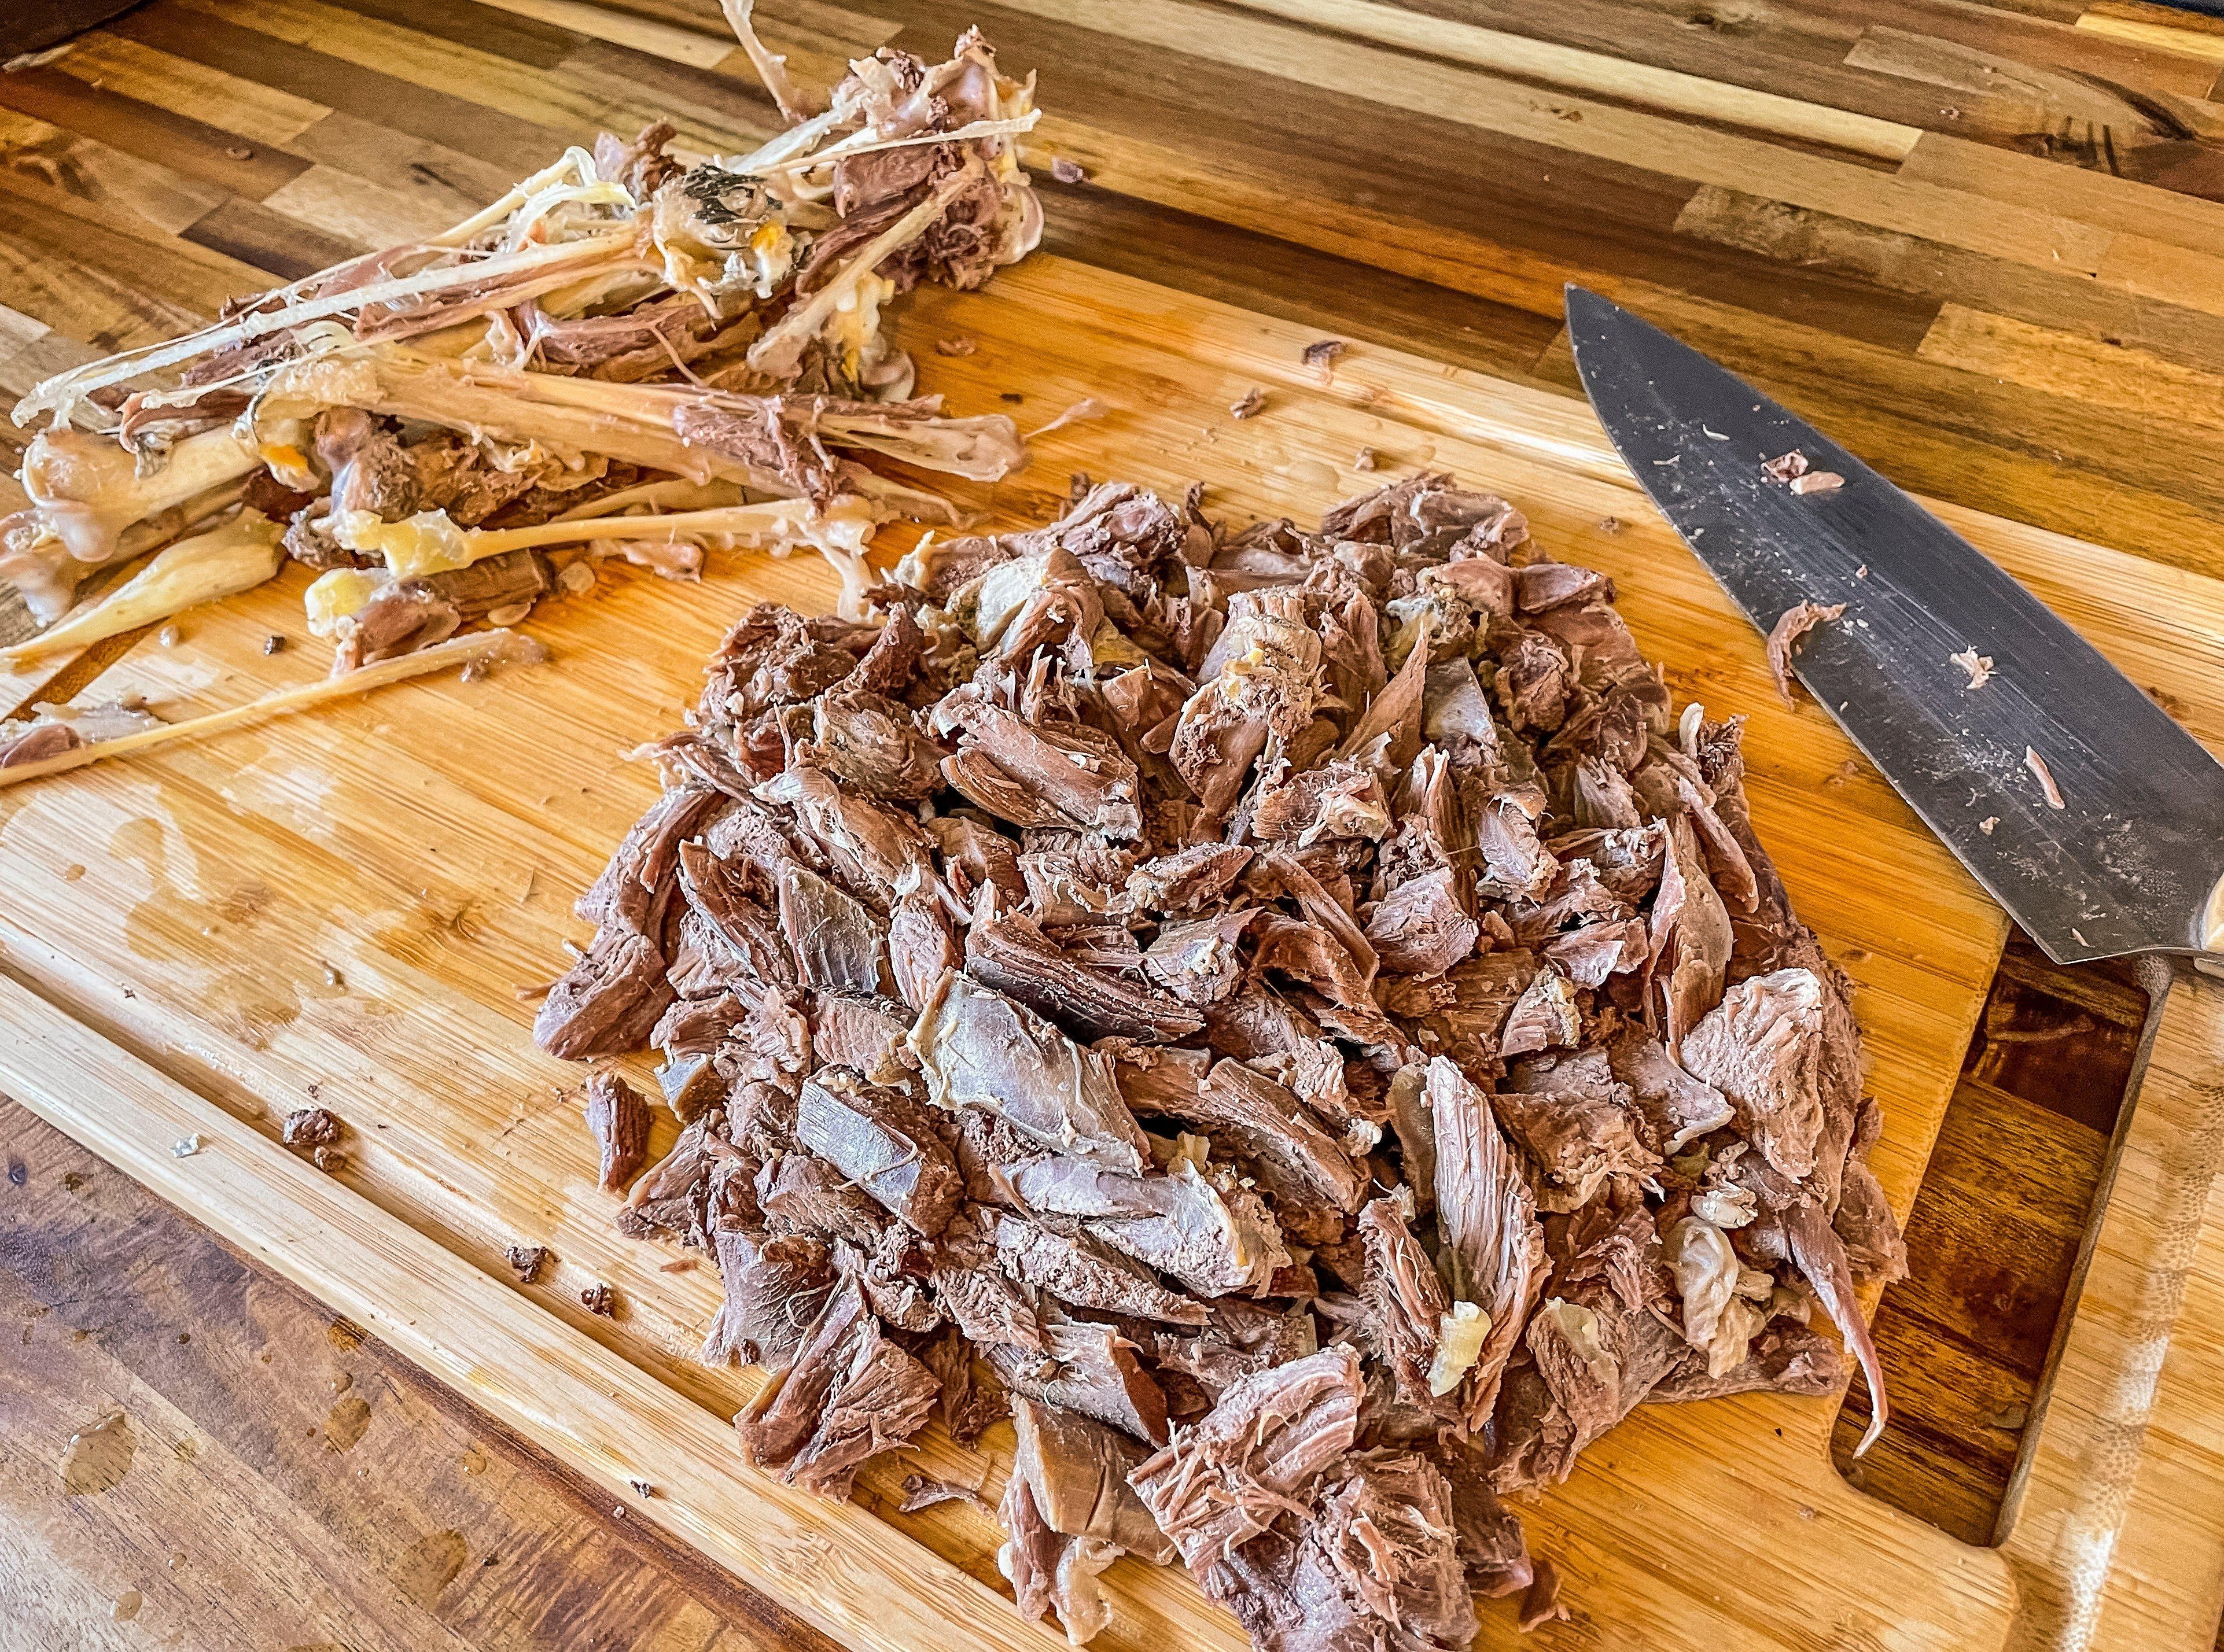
x=354 y=210
x=192 y=148
x=1698 y=153
x=1689 y=95
x=256 y=111
x=2093 y=197
x=86 y=169
x=2121 y=1442
x=2189 y=40
x=234 y=1380
x=697 y=49
x=2163 y=396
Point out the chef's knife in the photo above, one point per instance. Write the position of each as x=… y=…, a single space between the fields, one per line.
x=2132 y=856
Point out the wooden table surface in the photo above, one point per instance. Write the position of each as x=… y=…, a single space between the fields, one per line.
x=1983 y=243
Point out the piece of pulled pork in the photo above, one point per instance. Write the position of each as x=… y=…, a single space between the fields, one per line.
x=1290 y=1016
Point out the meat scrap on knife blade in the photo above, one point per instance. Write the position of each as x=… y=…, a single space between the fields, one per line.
x=1289 y=1017
x=626 y=355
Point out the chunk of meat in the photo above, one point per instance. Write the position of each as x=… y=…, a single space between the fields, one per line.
x=1201 y=961
x=1761 y=1047
x=1188 y=880
x=1089 y=1368
x=977 y=1048
x=884 y=1144
x=1229 y=1477
x=1202 y=1228
x=1077 y=1469
x=1011 y=955
x=1420 y=928
x=1059 y=1256
x=1793 y=624
x=606 y=1003
x=872 y=743
x=837 y=946
x=1673 y=1107
x=1406 y=1306
x=850 y=1394
x=1574 y=1122
x=775 y=1291
x=618 y=1120
x=1297 y=1163
x=1066 y=770
x=1493 y=1246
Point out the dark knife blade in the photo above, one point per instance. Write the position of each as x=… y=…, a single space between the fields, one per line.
x=2132 y=860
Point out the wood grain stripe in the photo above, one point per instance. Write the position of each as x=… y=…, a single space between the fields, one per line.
x=1698 y=154
x=1600 y=75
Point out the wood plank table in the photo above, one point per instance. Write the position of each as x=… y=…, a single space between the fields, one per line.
x=1980 y=241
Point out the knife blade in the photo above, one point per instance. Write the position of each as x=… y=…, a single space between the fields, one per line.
x=2132 y=858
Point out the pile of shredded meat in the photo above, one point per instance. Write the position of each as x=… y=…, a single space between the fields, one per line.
x=627 y=355
x=1288 y=1017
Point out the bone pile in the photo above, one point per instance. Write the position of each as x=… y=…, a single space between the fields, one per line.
x=1290 y=1017
x=628 y=354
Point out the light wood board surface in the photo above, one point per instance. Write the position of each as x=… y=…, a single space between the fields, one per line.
x=351 y=901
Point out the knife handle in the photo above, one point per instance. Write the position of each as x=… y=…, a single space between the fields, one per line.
x=2113 y=1521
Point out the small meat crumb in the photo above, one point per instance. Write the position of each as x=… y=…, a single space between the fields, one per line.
x=168 y=636
x=1785 y=466
x=1540 y=1601
x=329 y=1160
x=526 y=1261
x=240 y=152
x=960 y=345
x=1784 y=636
x=577 y=577
x=1364 y=459
x=641 y=1488
x=1986 y=824
x=1087 y=407
x=310 y=1127
x=1068 y=172
x=1818 y=481
x=1609 y=524
x=274 y=644
x=924 y=1491
x=1253 y=399
x=1322 y=353
x=2037 y=765
x=1979 y=666
x=599 y=1298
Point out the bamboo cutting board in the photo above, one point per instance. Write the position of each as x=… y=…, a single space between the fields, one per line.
x=342 y=909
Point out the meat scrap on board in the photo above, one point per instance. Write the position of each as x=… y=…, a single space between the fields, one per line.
x=1290 y=1017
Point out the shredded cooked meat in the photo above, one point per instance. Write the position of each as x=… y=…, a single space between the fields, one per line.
x=2045 y=776
x=1795 y=622
x=1979 y=666
x=1290 y=1017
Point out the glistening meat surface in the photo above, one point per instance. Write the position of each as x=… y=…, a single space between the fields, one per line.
x=1316 y=1080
